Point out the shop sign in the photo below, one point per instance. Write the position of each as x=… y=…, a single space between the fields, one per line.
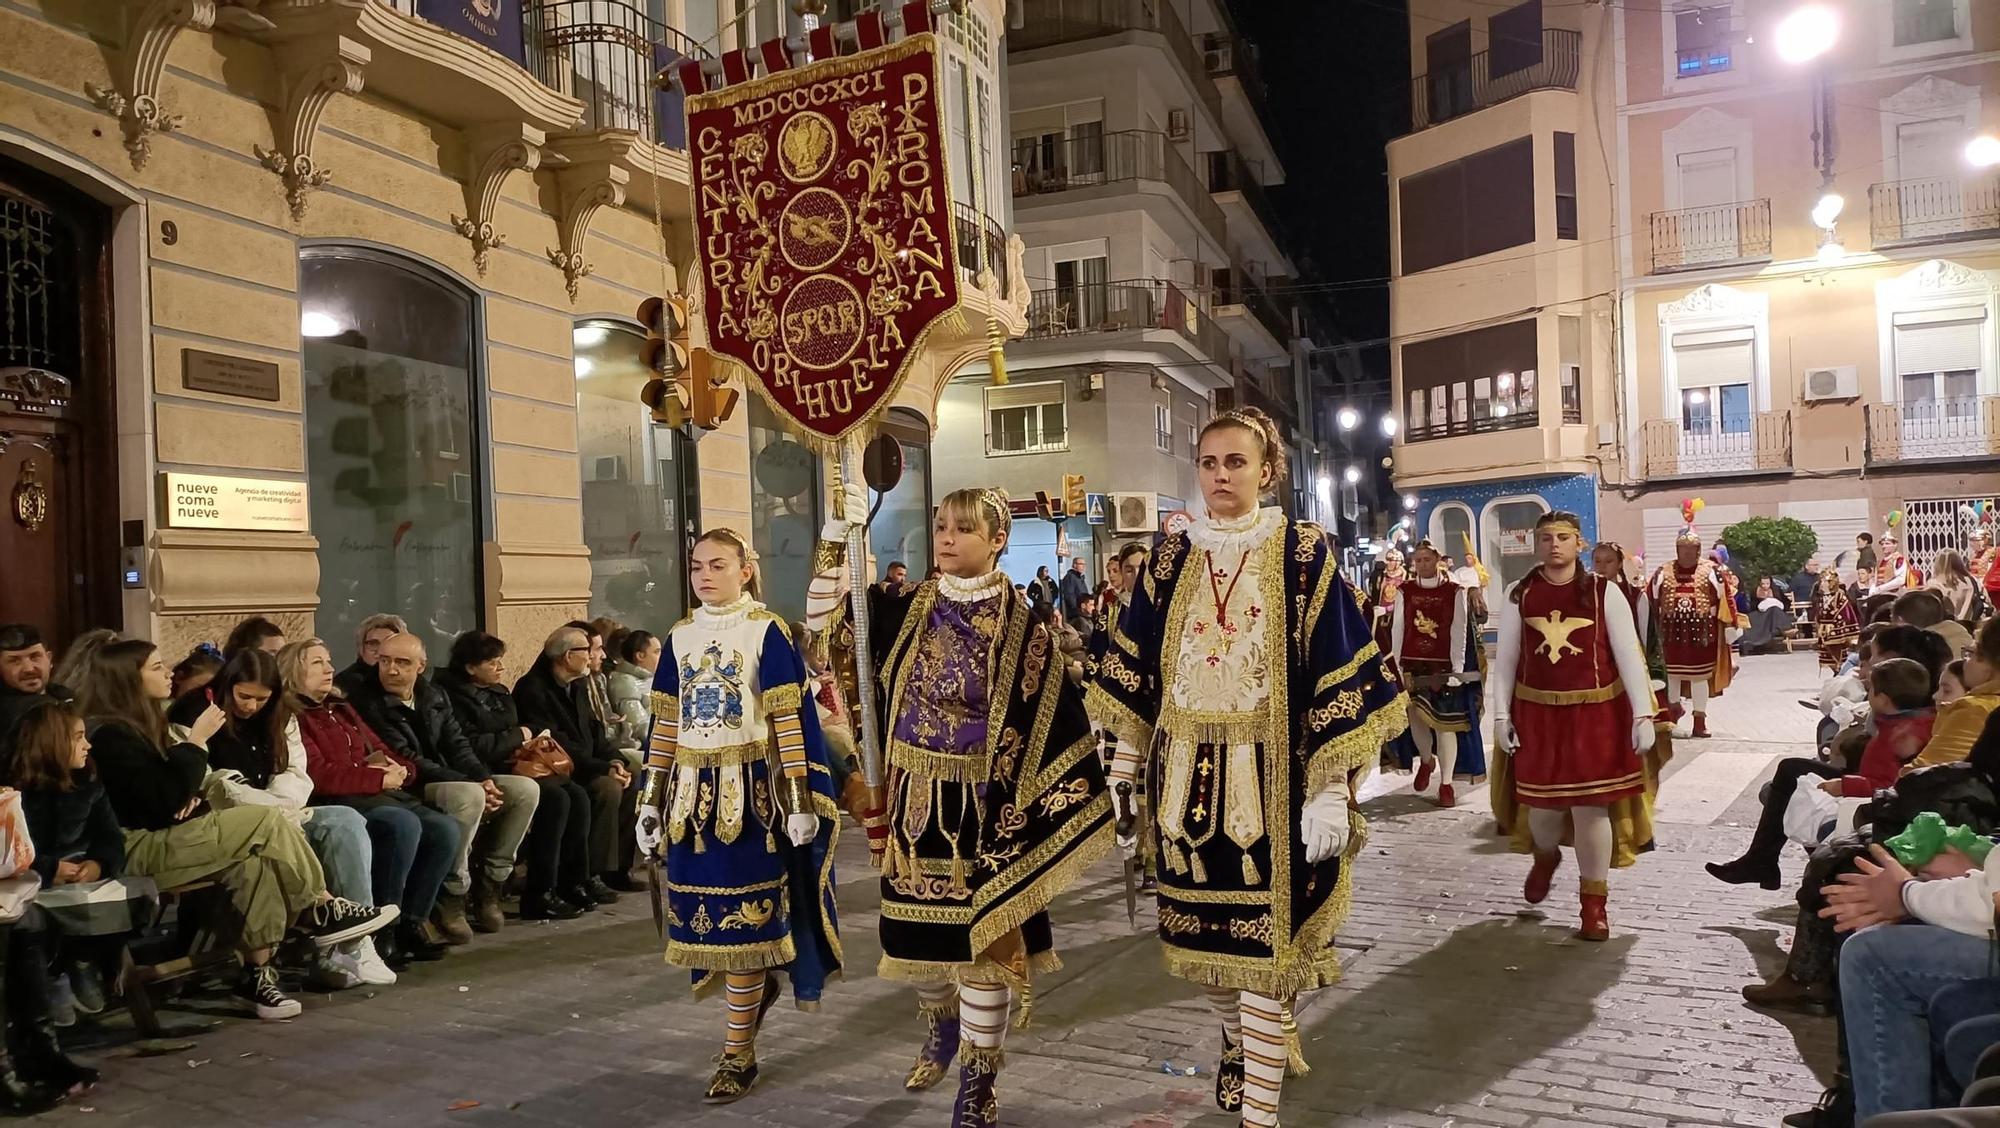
x=824 y=227
x=1517 y=542
x=227 y=375
x=209 y=501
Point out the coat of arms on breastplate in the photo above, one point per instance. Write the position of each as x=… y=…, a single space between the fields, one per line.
x=712 y=691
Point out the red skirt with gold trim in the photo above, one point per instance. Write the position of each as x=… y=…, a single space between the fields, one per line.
x=1575 y=755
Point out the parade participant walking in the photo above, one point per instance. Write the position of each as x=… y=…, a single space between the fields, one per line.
x=1573 y=706
x=1426 y=638
x=738 y=787
x=1835 y=625
x=1694 y=611
x=1260 y=699
x=995 y=801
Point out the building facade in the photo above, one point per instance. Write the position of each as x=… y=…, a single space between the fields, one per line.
x=325 y=308
x=1139 y=173
x=1642 y=300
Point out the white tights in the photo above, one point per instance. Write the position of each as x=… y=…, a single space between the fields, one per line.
x=1593 y=836
x=1696 y=689
x=1259 y=1023
x=1435 y=745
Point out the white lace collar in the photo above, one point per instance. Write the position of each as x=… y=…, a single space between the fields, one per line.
x=1232 y=535
x=1434 y=581
x=971 y=591
x=725 y=615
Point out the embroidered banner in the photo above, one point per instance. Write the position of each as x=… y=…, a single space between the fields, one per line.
x=824 y=228
x=496 y=23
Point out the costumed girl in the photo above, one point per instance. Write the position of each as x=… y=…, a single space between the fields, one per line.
x=995 y=798
x=1246 y=673
x=1573 y=706
x=1894 y=574
x=1427 y=647
x=1385 y=587
x=1835 y=624
x=738 y=786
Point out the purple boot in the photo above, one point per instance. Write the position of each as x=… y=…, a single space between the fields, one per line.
x=940 y=1046
x=977 y=1106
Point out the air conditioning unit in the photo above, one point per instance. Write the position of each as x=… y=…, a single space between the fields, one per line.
x=1159 y=381
x=1177 y=125
x=1134 y=513
x=606 y=468
x=1840 y=382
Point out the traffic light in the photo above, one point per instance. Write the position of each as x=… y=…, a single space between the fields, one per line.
x=687 y=385
x=709 y=398
x=1073 y=503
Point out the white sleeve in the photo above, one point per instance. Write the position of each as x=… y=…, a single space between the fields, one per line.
x=1962 y=904
x=1642 y=617
x=293 y=786
x=1625 y=649
x=1396 y=631
x=1459 y=614
x=1507 y=659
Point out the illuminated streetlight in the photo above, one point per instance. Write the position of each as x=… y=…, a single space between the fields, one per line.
x=1983 y=151
x=1409 y=501
x=1389 y=426
x=1807 y=33
x=1828 y=209
x=1352 y=475
x=313 y=323
x=1831 y=252
x=1323 y=486
x=1347 y=418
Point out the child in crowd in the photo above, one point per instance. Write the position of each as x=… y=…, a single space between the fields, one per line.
x=1899 y=698
x=1951 y=684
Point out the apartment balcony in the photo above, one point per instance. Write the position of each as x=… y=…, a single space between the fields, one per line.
x=1943 y=430
x=1135 y=313
x=1056 y=23
x=1503 y=420
x=1937 y=209
x=1706 y=238
x=982 y=245
x=1514 y=444
x=605 y=53
x=1756 y=443
x=1455 y=91
x=1238 y=187
x=1257 y=322
x=1124 y=162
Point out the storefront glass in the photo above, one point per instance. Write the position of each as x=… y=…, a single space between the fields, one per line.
x=784 y=511
x=901 y=530
x=393 y=454
x=1508 y=530
x=638 y=484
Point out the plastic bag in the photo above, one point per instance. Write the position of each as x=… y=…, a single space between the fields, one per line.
x=1810 y=814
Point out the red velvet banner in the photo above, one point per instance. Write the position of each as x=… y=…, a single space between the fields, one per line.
x=824 y=229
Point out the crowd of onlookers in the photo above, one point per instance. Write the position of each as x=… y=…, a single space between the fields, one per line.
x=355 y=820
x=1901 y=953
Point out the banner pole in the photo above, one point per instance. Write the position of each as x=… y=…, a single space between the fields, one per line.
x=847 y=468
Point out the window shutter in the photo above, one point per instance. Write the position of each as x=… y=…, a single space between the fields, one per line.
x=1023 y=395
x=1947 y=346
x=1708 y=365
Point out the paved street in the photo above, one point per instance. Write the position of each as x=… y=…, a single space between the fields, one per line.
x=1457 y=1008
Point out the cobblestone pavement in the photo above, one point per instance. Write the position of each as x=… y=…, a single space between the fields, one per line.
x=1457 y=1008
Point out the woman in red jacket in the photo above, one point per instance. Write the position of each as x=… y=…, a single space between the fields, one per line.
x=415 y=845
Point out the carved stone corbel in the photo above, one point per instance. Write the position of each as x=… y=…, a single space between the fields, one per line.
x=583 y=189
x=311 y=81
x=134 y=96
x=493 y=151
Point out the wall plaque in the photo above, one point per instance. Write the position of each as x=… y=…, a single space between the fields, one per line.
x=229 y=375
x=209 y=501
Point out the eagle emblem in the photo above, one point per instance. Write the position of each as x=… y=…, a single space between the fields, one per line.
x=1555 y=630
x=1426 y=626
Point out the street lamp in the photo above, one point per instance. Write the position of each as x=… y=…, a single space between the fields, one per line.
x=1389 y=426
x=1323 y=487
x=1827 y=210
x=1807 y=33
x=1409 y=501
x=1347 y=418
x=1352 y=474
x=1983 y=151
x=1831 y=252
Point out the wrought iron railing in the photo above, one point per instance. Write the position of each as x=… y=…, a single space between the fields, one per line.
x=605 y=53
x=1956 y=427
x=1694 y=238
x=1046 y=23
x=1121 y=306
x=1749 y=443
x=1934 y=209
x=1455 y=91
x=1246 y=292
x=1229 y=172
x=1108 y=158
x=1228 y=55
x=1475 y=425
x=982 y=244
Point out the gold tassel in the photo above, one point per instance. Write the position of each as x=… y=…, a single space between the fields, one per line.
x=996 y=351
x=770 y=841
x=957 y=870
x=1295 y=1058
x=1175 y=860
x=700 y=842
x=1023 y=1016
x=1250 y=874
x=1200 y=871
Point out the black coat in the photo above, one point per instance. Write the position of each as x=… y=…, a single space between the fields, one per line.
x=487 y=717
x=357 y=677
x=14 y=706
x=147 y=788
x=75 y=822
x=426 y=732
x=545 y=703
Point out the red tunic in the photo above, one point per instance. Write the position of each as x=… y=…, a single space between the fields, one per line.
x=1687 y=612
x=1570 y=708
x=1429 y=628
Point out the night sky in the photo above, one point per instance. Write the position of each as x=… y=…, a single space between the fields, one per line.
x=1338 y=73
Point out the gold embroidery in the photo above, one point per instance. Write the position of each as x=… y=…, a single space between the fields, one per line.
x=1426 y=626
x=1345 y=706
x=1010 y=822
x=704 y=803
x=1037 y=660
x=1555 y=631
x=917 y=887
x=781 y=699
x=1568 y=696
x=665 y=705
x=726 y=890
x=1063 y=798
x=750 y=914
x=1173 y=922
x=1309 y=538
x=1256 y=928
x=702 y=924
x=992 y=861
x=1115 y=669
x=1009 y=755
x=1168 y=556
x=1361 y=658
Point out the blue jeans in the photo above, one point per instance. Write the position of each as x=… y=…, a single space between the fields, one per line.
x=1888 y=976
x=415 y=849
x=339 y=836
x=1964 y=1022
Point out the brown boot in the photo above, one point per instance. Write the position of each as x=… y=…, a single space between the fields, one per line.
x=1540 y=875
x=1701 y=726
x=1786 y=993
x=449 y=919
x=485 y=905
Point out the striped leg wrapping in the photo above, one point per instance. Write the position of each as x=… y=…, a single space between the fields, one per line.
x=1264 y=1058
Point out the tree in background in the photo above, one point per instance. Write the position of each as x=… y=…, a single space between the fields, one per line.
x=1769 y=546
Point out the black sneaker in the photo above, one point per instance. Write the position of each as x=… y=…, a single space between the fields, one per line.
x=412 y=944
x=600 y=892
x=1834 y=1110
x=548 y=906
x=339 y=920
x=259 y=988
x=581 y=897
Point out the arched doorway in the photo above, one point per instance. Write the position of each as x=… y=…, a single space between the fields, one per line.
x=58 y=429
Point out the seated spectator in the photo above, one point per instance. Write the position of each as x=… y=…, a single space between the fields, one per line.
x=258 y=759
x=414 y=847
x=558 y=844
x=173 y=837
x=254 y=633
x=69 y=671
x=35 y=1073
x=1084 y=622
x=554 y=697
x=1900 y=697
x=415 y=718
x=599 y=686
x=1770 y=619
x=1951 y=684
x=1959 y=720
x=1952 y=580
x=1926 y=610
x=78 y=839
x=196 y=670
x=635 y=661
x=25 y=682
x=368 y=639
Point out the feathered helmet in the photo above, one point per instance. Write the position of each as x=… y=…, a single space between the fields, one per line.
x=1690 y=507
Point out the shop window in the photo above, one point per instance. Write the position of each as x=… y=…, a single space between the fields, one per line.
x=785 y=510
x=638 y=484
x=392 y=447
x=1451 y=529
x=1507 y=538
x=901 y=529
x=1026 y=419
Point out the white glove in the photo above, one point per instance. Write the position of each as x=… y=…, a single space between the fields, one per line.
x=648 y=832
x=1732 y=634
x=1323 y=824
x=854 y=506
x=1453 y=680
x=801 y=829
x=1642 y=734
x=1504 y=736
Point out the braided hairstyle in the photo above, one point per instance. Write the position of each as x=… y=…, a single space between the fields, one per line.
x=1269 y=442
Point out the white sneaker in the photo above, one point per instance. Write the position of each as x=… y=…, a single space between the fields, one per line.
x=333 y=972
x=368 y=963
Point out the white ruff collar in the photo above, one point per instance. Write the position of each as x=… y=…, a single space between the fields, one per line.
x=971 y=591
x=1434 y=581
x=1232 y=535
x=725 y=615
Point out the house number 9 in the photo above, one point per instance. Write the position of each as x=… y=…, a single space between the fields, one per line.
x=170 y=233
